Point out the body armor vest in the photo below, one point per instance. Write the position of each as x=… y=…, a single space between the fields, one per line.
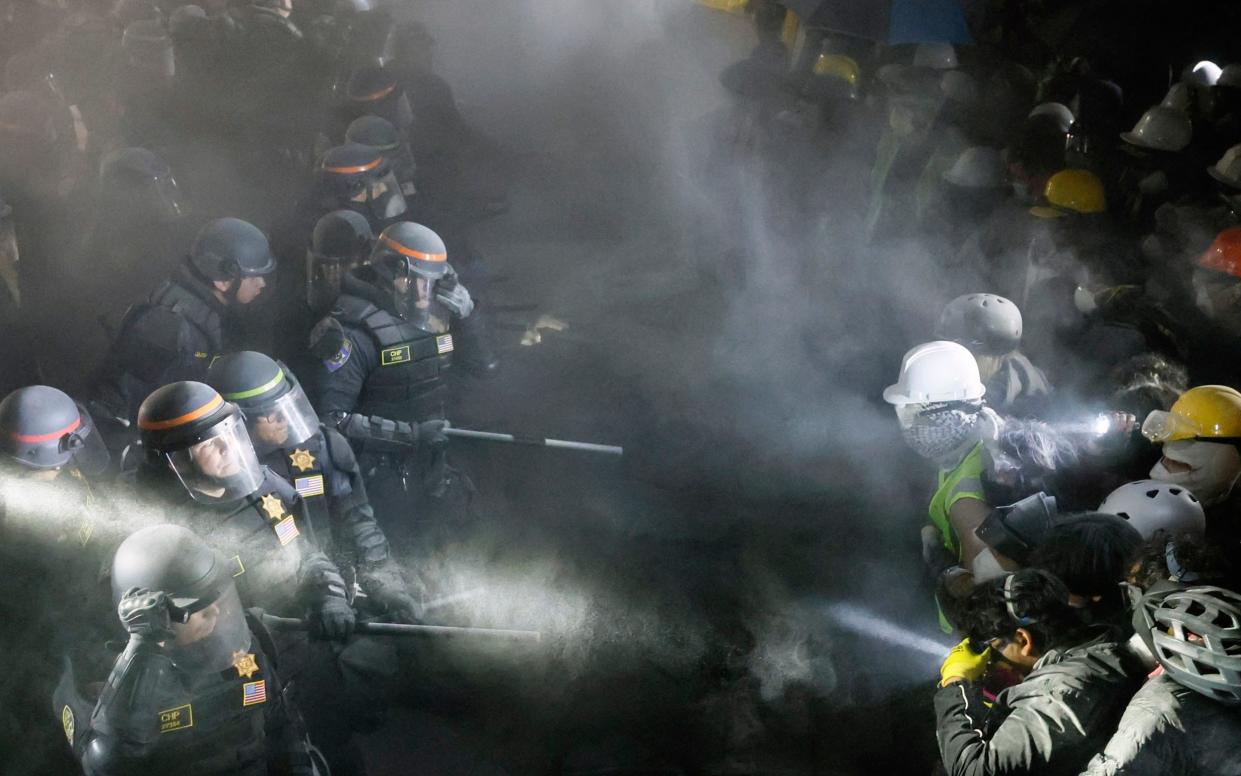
x=408 y=383
x=194 y=724
x=264 y=537
x=309 y=468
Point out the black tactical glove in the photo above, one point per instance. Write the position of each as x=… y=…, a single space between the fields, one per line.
x=454 y=296
x=333 y=619
x=145 y=614
x=393 y=598
x=431 y=432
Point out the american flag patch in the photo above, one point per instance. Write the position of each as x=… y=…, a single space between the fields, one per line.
x=443 y=344
x=254 y=692
x=309 y=486
x=286 y=530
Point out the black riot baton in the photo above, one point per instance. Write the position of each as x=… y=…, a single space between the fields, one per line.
x=512 y=439
x=402 y=629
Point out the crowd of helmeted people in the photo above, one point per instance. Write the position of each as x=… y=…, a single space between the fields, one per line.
x=1076 y=403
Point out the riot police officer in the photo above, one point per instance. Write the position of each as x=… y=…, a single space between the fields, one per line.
x=343 y=691
x=387 y=344
x=291 y=441
x=196 y=690
x=181 y=327
x=48 y=536
x=199 y=458
x=386 y=349
x=360 y=178
x=341 y=240
x=379 y=133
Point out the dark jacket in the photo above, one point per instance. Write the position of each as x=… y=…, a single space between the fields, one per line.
x=173 y=335
x=1051 y=723
x=1170 y=730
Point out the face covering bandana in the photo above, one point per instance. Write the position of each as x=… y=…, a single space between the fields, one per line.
x=938 y=430
x=1213 y=468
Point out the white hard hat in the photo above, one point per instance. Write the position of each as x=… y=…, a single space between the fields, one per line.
x=979 y=167
x=1228 y=169
x=937 y=371
x=1230 y=76
x=1161 y=129
x=1205 y=73
x=1177 y=97
x=1057 y=110
x=937 y=56
x=1151 y=505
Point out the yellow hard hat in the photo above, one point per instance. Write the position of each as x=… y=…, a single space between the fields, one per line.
x=838 y=66
x=1072 y=191
x=1211 y=412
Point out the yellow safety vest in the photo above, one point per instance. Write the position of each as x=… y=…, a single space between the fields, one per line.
x=962 y=481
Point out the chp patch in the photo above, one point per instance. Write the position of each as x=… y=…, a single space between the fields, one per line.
x=176 y=719
x=68 y=723
x=393 y=356
x=443 y=344
x=309 y=486
x=286 y=530
x=254 y=693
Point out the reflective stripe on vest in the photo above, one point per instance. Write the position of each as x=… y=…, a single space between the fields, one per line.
x=963 y=481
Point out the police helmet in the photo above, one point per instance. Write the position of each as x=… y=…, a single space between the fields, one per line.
x=406 y=248
x=373 y=131
x=40 y=427
x=346 y=169
x=229 y=248
x=342 y=235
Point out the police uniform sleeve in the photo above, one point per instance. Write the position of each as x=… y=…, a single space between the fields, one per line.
x=125 y=723
x=353 y=520
x=346 y=359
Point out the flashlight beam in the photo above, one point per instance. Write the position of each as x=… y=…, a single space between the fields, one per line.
x=860 y=621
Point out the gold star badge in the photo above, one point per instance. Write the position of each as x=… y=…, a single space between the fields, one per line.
x=245 y=664
x=302 y=459
x=273 y=506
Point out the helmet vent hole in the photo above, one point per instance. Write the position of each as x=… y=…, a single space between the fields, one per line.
x=1175 y=491
x=1123 y=514
x=1152 y=493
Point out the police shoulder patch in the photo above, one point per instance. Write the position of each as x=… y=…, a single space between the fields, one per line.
x=330 y=344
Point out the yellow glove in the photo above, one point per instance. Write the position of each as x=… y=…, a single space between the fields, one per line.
x=964 y=663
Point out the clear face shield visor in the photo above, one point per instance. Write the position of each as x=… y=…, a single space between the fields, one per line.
x=222 y=467
x=1161 y=426
x=90 y=454
x=285 y=422
x=416 y=303
x=324 y=275
x=383 y=197
x=209 y=637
